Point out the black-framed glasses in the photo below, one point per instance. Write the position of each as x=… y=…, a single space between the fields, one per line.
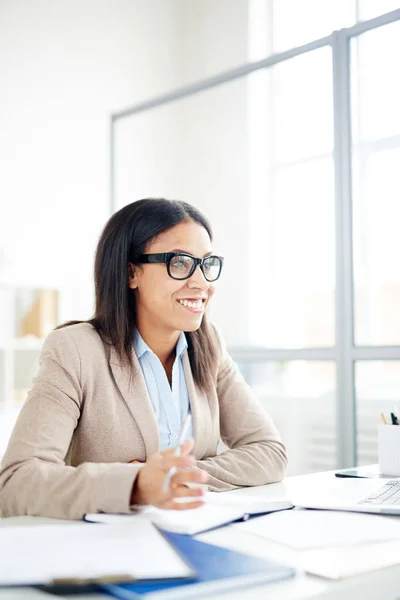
x=182 y=266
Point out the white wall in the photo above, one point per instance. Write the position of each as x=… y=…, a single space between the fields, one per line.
x=196 y=149
x=213 y=37
x=64 y=67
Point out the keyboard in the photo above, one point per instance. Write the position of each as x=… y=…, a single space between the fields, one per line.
x=388 y=494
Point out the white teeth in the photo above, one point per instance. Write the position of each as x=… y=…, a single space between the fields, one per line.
x=192 y=303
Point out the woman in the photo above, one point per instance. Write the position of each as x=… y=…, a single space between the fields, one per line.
x=98 y=430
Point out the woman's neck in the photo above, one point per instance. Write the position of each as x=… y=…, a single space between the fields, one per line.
x=163 y=344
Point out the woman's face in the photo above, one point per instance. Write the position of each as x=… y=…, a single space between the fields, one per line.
x=160 y=300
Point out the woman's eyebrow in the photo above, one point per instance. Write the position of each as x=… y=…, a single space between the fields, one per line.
x=187 y=252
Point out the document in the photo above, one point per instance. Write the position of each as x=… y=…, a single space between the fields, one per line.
x=302 y=529
x=219 y=509
x=78 y=553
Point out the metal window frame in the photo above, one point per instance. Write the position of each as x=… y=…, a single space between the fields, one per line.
x=344 y=353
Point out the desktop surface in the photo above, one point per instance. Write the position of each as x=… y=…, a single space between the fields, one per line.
x=382 y=584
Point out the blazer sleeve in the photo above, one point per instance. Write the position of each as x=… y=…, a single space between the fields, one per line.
x=256 y=454
x=34 y=479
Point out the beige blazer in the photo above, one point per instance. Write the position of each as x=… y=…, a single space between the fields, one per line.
x=87 y=416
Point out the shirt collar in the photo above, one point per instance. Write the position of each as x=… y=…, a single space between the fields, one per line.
x=141 y=347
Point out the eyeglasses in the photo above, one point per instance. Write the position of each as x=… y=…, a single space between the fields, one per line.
x=182 y=266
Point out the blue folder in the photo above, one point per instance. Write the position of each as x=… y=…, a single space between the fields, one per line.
x=218 y=570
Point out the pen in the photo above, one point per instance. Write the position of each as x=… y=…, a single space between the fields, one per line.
x=384 y=419
x=184 y=427
x=394 y=419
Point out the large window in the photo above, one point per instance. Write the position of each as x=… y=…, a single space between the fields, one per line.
x=307 y=189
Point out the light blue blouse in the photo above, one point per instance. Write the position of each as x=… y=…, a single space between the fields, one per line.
x=170 y=403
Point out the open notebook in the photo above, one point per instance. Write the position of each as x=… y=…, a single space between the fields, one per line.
x=218 y=510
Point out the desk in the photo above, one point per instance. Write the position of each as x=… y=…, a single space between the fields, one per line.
x=383 y=584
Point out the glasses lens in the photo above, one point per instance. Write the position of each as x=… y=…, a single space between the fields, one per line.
x=212 y=268
x=180 y=266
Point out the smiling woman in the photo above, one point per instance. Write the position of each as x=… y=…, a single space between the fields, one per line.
x=100 y=425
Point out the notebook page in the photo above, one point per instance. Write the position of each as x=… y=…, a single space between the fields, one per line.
x=189 y=522
x=250 y=505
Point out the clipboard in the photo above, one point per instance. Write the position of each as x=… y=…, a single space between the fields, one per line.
x=81 y=554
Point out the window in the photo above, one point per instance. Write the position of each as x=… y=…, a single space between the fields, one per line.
x=297 y=22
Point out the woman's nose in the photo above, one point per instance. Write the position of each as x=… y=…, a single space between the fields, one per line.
x=197 y=279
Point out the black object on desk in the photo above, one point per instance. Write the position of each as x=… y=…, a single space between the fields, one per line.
x=365 y=472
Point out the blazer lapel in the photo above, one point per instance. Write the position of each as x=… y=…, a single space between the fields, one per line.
x=201 y=414
x=133 y=389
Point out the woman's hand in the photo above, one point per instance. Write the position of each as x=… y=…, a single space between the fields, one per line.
x=148 y=486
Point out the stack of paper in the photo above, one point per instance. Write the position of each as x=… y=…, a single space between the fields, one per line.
x=332 y=544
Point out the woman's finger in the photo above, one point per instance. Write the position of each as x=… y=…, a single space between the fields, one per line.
x=179 y=462
x=185 y=449
x=192 y=476
x=173 y=505
x=181 y=491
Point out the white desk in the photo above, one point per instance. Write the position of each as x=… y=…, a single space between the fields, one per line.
x=383 y=584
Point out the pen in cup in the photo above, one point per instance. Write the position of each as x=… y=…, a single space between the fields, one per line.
x=384 y=419
x=184 y=428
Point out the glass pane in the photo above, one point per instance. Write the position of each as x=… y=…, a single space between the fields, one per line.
x=376 y=185
x=292 y=278
x=377 y=247
x=373 y=8
x=300 y=397
x=375 y=86
x=377 y=391
x=297 y=22
x=196 y=150
x=302 y=106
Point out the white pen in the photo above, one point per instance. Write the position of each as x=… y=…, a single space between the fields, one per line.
x=184 y=427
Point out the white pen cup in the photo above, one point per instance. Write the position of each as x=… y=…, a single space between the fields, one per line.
x=389 y=449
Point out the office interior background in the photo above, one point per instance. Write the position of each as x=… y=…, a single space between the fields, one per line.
x=280 y=120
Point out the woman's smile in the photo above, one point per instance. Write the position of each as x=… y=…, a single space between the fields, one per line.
x=195 y=305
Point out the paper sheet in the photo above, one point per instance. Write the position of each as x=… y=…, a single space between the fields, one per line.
x=34 y=555
x=303 y=529
x=190 y=522
x=337 y=563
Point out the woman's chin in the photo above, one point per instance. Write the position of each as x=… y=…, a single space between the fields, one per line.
x=191 y=324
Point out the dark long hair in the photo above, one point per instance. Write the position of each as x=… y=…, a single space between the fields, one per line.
x=124 y=238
